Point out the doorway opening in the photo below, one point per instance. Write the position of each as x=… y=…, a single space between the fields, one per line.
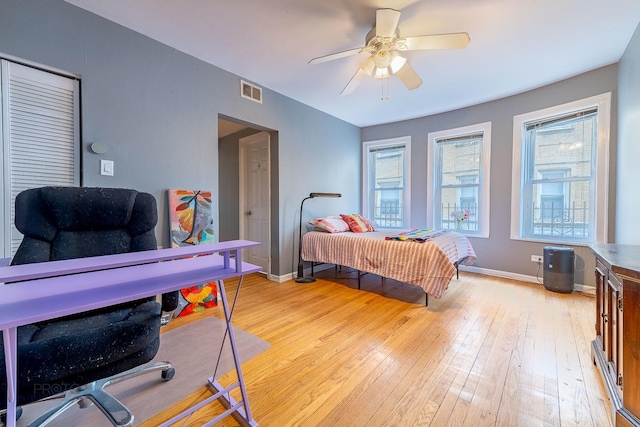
x=247 y=168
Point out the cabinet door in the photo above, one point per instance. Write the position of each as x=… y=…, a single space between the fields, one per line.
x=620 y=341
x=606 y=322
x=615 y=326
x=601 y=284
x=631 y=348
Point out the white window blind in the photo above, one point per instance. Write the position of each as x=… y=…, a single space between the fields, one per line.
x=40 y=136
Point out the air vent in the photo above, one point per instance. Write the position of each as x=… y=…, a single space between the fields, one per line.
x=249 y=91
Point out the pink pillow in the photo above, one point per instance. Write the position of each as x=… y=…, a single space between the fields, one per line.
x=357 y=223
x=330 y=224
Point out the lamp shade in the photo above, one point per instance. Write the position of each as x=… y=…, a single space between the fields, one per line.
x=312 y=195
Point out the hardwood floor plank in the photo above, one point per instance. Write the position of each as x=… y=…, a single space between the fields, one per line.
x=442 y=384
x=491 y=352
x=408 y=348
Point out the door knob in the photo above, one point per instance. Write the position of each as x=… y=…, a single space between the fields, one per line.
x=247 y=213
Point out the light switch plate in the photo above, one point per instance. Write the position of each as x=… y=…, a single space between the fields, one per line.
x=106 y=167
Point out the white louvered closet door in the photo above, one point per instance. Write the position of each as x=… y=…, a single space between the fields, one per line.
x=40 y=136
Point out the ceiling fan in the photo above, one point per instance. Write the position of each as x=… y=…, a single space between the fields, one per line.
x=384 y=44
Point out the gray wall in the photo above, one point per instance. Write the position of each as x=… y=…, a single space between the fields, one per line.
x=156 y=111
x=499 y=252
x=628 y=201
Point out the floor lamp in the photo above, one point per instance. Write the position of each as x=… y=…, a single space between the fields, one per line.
x=301 y=278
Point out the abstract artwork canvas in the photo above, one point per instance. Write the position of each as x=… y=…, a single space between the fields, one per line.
x=191 y=223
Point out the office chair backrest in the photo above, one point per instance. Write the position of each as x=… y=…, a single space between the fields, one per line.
x=73 y=222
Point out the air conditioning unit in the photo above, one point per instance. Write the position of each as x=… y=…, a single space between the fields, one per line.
x=558 y=271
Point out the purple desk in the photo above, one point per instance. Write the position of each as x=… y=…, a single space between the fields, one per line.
x=59 y=288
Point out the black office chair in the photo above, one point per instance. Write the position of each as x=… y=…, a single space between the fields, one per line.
x=95 y=348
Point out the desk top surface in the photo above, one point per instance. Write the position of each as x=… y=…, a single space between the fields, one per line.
x=55 y=289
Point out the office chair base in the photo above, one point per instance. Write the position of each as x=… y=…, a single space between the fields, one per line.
x=3 y=415
x=118 y=414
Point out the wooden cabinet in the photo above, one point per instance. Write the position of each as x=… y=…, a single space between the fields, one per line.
x=616 y=348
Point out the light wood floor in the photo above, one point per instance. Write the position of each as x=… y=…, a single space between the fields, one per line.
x=491 y=352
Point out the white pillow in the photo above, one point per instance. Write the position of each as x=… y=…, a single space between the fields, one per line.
x=330 y=224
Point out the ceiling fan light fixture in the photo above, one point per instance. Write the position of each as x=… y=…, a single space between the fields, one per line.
x=382 y=73
x=382 y=58
x=397 y=61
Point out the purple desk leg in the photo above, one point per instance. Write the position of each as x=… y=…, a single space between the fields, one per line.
x=10 y=337
x=242 y=412
x=238 y=410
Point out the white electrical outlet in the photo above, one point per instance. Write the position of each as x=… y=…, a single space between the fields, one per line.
x=536 y=258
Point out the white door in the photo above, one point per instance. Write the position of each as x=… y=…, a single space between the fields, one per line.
x=255 y=198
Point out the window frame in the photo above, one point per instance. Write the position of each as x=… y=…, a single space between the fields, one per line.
x=484 y=199
x=367 y=191
x=601 y=203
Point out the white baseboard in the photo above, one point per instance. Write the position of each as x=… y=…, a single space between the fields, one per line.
x=578 y=287
x=307 y=272
x=281 y=279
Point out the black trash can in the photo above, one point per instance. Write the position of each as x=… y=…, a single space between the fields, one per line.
x=558 y=273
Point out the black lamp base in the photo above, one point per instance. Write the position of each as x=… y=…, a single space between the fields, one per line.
x=305 y=279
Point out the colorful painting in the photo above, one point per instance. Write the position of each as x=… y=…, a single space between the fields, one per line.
x=190 y=217
x=191 y=223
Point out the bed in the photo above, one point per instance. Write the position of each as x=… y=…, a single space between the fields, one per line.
x=430 y=265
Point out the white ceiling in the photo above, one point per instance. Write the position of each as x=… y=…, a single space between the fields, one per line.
x=516 y=45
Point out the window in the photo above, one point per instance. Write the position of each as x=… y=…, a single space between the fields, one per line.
x=39 y=137
x=386 y=182
x=553 y=193
x=459 y=161
x=560 y=163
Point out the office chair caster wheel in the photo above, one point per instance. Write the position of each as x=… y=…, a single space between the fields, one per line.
x=168 y=374
x=3 y=416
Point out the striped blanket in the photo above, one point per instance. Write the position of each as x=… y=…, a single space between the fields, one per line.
x=429 y=265
x=417 y=235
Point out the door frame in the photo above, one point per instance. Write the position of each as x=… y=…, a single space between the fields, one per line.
x=243 y=143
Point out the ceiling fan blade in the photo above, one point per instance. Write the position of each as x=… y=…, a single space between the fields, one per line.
x=353 y=83
x=336 y=55
x=386 y=22
x=437 y=41
x=409 y=77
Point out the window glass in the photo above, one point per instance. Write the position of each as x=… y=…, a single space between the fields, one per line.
x=386 y=182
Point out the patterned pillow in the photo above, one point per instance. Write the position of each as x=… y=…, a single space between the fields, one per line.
x=330 y=224
x=357 y=223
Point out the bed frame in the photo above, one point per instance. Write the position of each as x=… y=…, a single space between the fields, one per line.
x=363 y=273
x=429 y=263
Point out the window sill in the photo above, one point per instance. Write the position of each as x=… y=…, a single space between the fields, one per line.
x=553 y=241
x=473 y=236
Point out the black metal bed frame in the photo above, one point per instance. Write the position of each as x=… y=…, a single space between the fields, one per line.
x=362 y=273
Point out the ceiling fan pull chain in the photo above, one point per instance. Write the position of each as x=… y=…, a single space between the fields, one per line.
x=382 y=82
x=388 y=88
